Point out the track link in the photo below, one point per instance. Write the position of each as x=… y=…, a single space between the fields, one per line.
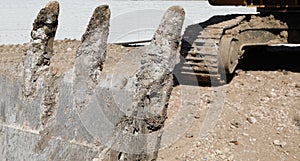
x=200 y=50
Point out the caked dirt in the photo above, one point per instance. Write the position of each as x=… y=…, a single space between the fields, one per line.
x=260 y=118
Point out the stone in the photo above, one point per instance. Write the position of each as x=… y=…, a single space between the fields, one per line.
x=252 y=120
x=69 y=49
x=284 y=72
x=276 y=142
x=219 y=152
x=189 y=135
x=197 y=115
x=235 y=124
x=238 y=71
x=283 y=144
x=279 y=143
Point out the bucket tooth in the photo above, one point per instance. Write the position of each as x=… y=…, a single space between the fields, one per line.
x=40 y=49
x=90 y=56
x=151 y=86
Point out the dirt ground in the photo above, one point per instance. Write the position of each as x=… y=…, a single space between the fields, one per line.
x=260 y=108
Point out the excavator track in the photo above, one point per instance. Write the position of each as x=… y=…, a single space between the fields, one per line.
x=201 y=56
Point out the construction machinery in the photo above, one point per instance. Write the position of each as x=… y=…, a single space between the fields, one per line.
x=211 y=50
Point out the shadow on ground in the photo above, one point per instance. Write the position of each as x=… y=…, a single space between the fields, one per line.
x=271 y=59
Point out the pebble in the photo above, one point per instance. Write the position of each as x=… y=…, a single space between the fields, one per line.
x=219 y=152
x=273 y=93
x=269 y=95
x=283 y=144
x=235 y=142
x=297 y=85
x=258 y=114
x=276 y=142
x=69 y=49
x=285 y=72
x=189 y=135
x=238 y=71
x=297 y=120
x=235 y=125
x=54 y=71
x=279 y=143
x=223 y=157
x=252 y=120
x=265 y=99
x=230 y=158
x=197 y=116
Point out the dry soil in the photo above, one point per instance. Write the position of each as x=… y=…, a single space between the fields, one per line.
x=260 y=112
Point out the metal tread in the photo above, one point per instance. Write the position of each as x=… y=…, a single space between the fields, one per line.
x=202 y=56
